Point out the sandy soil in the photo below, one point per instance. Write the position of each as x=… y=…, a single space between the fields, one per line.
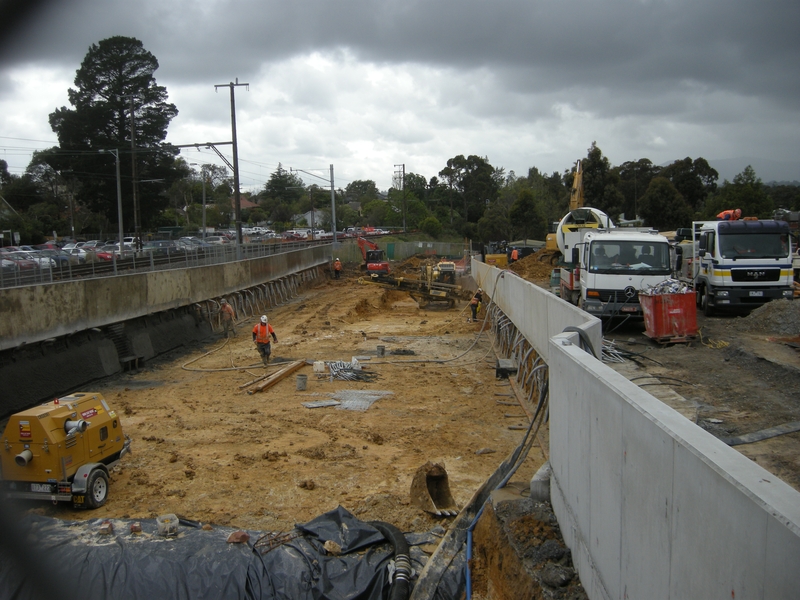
x=206 y=449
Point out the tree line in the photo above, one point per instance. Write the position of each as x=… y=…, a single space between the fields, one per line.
x=119 y=114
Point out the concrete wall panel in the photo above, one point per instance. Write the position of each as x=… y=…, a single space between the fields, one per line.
x=669 y=511
x=168 y=289
x=36 y=313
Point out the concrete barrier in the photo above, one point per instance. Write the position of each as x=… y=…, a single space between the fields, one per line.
x=40 y=312
x=651 y=505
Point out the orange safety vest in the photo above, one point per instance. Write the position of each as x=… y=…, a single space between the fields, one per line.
x=731 y=215
x=337 y=266
x=227 y=312
x=262 y=333
x=514 y=254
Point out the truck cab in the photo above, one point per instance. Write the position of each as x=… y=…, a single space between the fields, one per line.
x=613 y=265
x=737 y=264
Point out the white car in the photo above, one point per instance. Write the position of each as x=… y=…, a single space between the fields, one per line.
x=44 y=262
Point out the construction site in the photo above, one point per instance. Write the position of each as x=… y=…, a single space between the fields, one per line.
x=401 y=410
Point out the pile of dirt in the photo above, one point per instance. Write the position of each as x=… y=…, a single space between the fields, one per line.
x=531 y=268
x=779 y=317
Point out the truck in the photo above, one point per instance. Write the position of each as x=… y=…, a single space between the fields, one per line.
x=737 y=265
x=62 y=451
x=608 y=268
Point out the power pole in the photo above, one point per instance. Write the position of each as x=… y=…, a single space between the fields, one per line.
x=333 y=209
x=400 y=176
x=137 y=242
x=237 y=200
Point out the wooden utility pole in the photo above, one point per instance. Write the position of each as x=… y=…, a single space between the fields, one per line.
x=237 y=200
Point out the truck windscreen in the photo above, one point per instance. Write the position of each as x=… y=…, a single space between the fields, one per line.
x=754 y=245
x=625 y=256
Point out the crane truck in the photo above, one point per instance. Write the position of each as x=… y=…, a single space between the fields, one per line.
x=739 y=264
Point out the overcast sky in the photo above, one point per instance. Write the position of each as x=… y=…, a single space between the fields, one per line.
x=366 y=85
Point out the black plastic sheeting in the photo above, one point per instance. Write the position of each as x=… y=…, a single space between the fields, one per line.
x=200 y=565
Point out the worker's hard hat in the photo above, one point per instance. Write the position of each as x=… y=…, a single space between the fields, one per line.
x=337 y=258
x=223 y=301
x=264 y=319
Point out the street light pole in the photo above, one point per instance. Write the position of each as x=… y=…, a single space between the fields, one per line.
x=119 y=199
x=203 y=176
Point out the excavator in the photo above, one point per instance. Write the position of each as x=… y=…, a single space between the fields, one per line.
x=375 y=262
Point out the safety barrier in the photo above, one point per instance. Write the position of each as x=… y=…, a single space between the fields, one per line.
x=651 y=505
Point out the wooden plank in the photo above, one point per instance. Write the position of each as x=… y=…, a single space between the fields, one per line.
x=279 y=375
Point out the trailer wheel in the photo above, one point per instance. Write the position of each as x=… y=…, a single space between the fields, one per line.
x=96 y=489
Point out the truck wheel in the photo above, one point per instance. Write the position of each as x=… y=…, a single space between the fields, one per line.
x=708 y=310
x=96 y=489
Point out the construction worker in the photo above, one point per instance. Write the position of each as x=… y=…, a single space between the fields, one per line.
x=227 y=315
x=261 y=334
x=514 y=255
x=337 y=268
x=730 y=215
x=475 y=305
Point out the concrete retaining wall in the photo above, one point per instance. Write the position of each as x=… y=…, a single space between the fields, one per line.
x=651 y=505
x=36 y=313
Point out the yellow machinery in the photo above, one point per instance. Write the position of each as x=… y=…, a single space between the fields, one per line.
x=437 y=283
x=62 y=451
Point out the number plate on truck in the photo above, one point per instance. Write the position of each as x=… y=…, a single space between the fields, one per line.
x=40 y=487
x=756 y=294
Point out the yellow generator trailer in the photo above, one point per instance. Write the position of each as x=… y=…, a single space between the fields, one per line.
x=62 y=451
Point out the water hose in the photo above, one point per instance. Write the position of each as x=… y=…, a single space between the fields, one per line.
x=401 y=586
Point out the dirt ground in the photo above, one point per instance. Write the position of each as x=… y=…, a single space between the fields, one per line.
x=206 y=449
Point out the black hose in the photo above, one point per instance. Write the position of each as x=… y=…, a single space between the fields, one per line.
x=585 y=341
x=401 y=587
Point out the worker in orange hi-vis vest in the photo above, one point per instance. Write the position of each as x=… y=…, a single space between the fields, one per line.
x=733 y=214
x=514 y=255
x=261 y=337
x=337 y=268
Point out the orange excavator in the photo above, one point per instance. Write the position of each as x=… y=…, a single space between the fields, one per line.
x=375 y=262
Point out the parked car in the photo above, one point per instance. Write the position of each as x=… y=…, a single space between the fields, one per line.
x=162 y=248
x=217 y=240
x=193 y=243
x=8 y=266
x=23 y=262
x=92 y=244
x=108 y=251
x=41 y=261
x=79 y=256
x=60 y=258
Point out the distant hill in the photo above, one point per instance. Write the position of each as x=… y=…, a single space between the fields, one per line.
x=767 y=170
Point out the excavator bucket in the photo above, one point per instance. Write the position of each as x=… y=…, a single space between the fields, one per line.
x=430 y=490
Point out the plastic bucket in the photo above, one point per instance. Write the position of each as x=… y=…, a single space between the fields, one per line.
x=302 y=380
x=381 y=350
